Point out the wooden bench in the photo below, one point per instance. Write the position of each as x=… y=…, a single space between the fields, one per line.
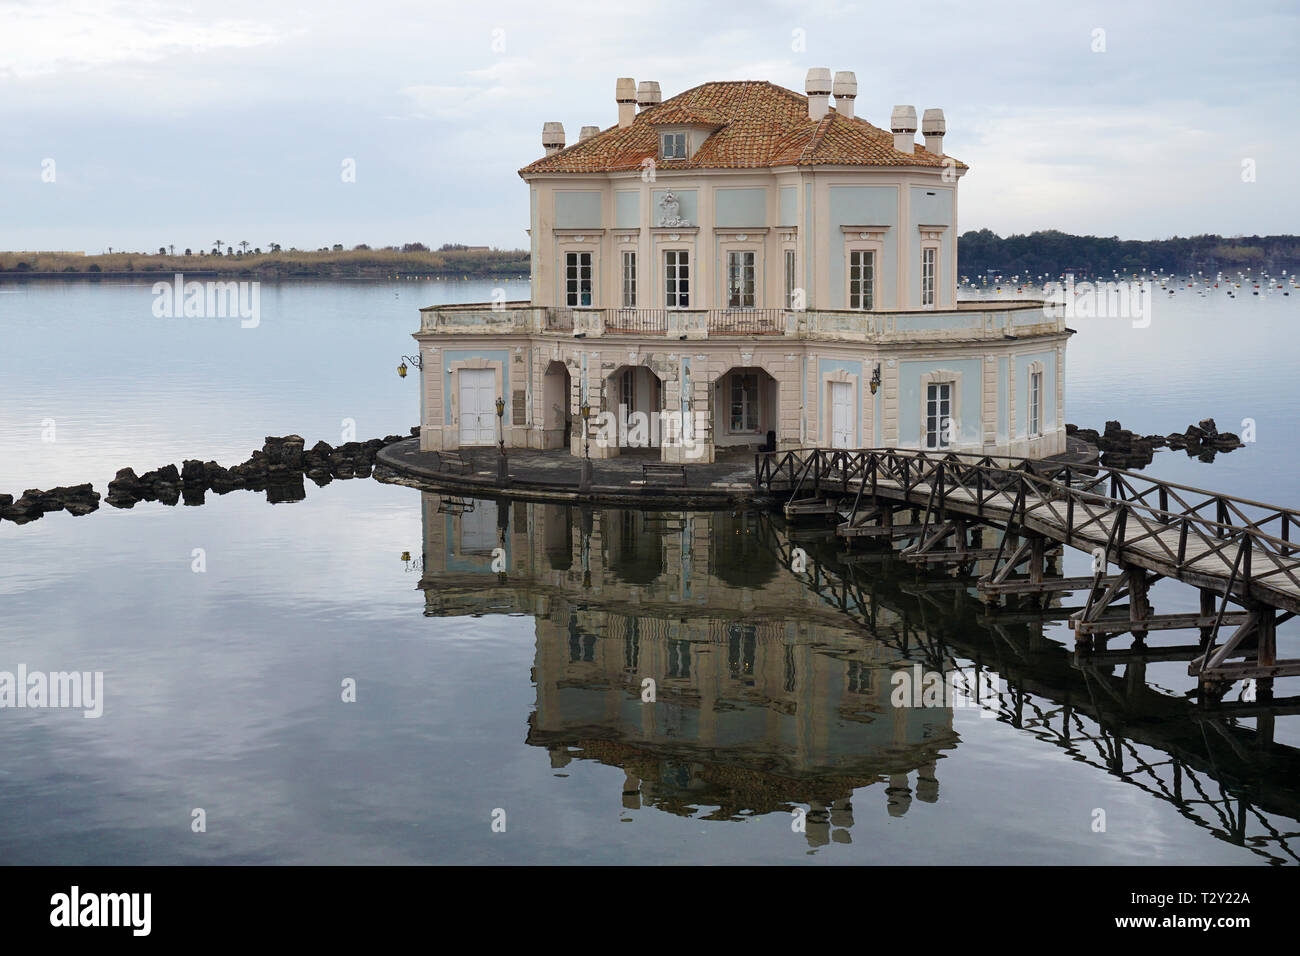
x=454 y=459
x=659 y=473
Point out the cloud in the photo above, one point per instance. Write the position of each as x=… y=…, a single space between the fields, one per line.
x=52 y=37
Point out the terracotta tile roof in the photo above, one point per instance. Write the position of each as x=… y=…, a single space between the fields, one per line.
x=759 y=124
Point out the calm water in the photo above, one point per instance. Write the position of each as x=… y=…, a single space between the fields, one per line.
x=478 y=692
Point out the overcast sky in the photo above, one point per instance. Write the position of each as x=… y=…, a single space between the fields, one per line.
x=184 y=123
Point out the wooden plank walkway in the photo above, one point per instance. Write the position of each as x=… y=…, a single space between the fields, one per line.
x=1238 y=549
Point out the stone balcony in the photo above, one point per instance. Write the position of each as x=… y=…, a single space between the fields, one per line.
x=969 y=321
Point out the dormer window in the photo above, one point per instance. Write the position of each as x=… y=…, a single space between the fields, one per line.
x=672 y=146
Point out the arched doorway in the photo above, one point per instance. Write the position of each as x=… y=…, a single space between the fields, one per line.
x=557 y=415
x=746 y=403
x=636 y=398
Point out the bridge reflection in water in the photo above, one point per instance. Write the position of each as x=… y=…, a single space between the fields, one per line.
x=773 y=688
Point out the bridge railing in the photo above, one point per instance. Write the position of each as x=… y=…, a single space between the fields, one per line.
x=1122 y=508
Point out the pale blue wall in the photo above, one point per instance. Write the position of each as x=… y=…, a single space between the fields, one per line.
x=863 y=206
x=824 y=368
x=1003 y=397
x=451 y=356
x=1022 y=391
x=789 y=213
x=577 y=210
x=740 y=207
x=688 y=203
x=627 y=209
x=911 y=397
x=929 y=210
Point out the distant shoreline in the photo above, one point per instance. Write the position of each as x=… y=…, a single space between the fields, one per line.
x=504 y=265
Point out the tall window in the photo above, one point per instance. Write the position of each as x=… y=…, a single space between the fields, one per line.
x=862 y=279
x=677 y=276
x=1036 y=404
x=629 y=280
x=938 y=414
x=790 y=281
x=740 y=280
x=577 y=279
x=744 y=402
x=672 y=146
x=929 y=257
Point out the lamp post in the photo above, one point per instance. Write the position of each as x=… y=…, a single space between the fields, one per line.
x=586 y=447
x=503 y=474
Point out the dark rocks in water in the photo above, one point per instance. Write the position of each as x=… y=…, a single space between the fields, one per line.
x=285 y=490
x=78 y=500
x=283 y=454
x=1121 y=448
x=277 y=468
x=75 y=499
x=415 y=431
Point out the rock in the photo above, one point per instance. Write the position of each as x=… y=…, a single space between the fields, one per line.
x=289 y=490
x=1193 y=435
x=415 y=430
x=193 y=495
x=78 y=500
x=1228 y=441
x=6 y=501
x=1208 y=427
x=193 y=472
x=283 y=454
x=1069 y=429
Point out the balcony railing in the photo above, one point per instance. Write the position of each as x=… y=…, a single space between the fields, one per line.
x=967 y=322
x=636 y=322
x=747 y=321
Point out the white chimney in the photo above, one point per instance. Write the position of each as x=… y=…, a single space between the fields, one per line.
x=588 y=132
x=903 y=125
x=625 y=96
x=818 y=87
x=846 y=90
x=552 y=137
x=933 y=125
x=647 y=94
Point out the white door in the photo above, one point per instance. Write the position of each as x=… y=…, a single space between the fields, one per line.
x=478 y=406
x=841 y=415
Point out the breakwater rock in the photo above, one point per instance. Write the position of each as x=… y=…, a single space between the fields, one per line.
x=277 y=468
x=1122 y=448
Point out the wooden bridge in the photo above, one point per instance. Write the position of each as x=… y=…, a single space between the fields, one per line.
x=1237 y=552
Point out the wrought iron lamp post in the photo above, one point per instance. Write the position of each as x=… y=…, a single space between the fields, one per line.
x=586 y=446
x=503 y=473
x=413 y=359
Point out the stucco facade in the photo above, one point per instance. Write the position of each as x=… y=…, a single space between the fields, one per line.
x=695 y=291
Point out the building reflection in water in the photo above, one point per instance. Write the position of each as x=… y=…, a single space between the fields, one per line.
x=765 y=699
x=772 y=690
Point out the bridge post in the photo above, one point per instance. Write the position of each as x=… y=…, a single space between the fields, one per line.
x=1139 y=603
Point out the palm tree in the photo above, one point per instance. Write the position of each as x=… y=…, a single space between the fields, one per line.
x=243 y=245
x=217 y=245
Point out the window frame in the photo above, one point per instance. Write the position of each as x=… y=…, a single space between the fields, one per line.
x=867 y=295
x=929 y=276
x=748 y=405
x=791 y=268
x=573 y=280
x=629 y=279
x=677 y=272
x=748 y=263
x=678 y=139
x=937 y=439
